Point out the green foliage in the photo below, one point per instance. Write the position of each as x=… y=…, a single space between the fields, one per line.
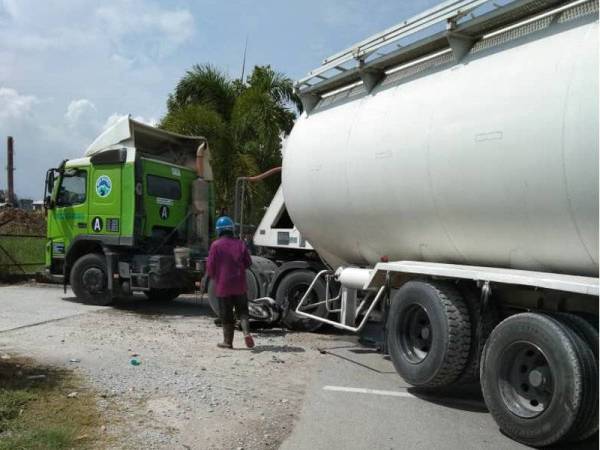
x=204 y=85
x=43 y=438
x=11 y=404
x=37 y=414
x=244 y=123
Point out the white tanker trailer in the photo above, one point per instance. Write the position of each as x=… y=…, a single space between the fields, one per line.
x=447 y=171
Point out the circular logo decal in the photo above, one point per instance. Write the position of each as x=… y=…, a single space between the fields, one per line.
x=103 y=186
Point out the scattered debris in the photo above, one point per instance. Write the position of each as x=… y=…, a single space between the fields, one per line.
x=36 y=377
x=73 y=394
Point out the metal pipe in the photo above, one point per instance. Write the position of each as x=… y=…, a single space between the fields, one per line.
x=10 y=171
x=340 y=325
x=263 y=175
x=200 y=159
x=240 y=185
x=242 y=209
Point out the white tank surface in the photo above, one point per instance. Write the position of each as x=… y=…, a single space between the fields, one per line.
x=491 y=161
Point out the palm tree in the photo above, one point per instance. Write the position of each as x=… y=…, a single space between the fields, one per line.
x=243 y=121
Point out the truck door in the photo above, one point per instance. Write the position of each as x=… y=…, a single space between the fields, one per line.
x=105 y=221
x=70 y=216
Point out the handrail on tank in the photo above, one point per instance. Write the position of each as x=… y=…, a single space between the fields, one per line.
x=368 y=60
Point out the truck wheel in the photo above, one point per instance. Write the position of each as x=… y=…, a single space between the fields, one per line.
x=428 y=333
x=290 y=291
x=252 y=292
x=89 y=280
x=533 y=378
x=586 y=423
x=162 y=295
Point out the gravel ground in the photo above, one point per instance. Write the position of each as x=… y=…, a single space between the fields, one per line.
x=186 y=393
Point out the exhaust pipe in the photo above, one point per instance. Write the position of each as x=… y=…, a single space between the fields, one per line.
x=200 y=159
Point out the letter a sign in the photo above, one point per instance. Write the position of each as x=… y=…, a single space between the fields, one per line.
x=164 y=212
x=97 y=224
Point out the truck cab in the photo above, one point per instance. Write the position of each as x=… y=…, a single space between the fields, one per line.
x=131 y=215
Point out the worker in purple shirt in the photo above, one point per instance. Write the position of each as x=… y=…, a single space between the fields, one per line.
x=228 y=259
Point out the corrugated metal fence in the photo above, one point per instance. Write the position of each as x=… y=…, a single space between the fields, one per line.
x=21 y=254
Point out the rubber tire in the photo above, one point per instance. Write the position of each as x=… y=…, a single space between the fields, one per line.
x=490 y=319
x=81 y=265
x=451 y=333
x=288 y=315
x=162 y=295
x=564 y=357
x=586 y=423
x=252 y=292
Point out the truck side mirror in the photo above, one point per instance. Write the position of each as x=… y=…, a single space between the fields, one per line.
x=48 y=203
x=48 y=188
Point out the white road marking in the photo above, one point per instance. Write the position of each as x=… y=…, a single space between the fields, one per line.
x=368 y=391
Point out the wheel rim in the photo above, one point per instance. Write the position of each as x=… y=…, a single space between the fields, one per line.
x=415 y=333
x=292 y=300
x=94 y=280
x=296 y=294
x=525 y=383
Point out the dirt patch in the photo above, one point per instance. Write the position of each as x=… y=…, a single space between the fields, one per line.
x=19 y=221
x=43 y=407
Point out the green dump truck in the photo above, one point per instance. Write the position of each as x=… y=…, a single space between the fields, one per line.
x=132 y=215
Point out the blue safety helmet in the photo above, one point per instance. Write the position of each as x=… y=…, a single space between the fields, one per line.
x=223 y=224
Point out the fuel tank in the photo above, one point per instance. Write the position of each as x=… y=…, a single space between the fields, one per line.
x=490 y=161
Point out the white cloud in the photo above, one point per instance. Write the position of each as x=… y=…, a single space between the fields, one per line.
x=78 y=110
x=9 y=8
x=14 y=105
x=164 y=30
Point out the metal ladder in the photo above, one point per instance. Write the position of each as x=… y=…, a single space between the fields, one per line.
x=449 y=26
x=348 y=309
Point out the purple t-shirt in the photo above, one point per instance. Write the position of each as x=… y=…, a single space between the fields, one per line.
x=228 y=259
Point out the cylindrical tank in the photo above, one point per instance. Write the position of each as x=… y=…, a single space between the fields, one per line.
x=491 y=161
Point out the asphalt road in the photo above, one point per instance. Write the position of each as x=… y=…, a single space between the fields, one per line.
x=353 y=398
x=356 y=400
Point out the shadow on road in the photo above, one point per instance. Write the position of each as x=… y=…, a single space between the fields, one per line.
x=182 y=306
x=139 y=304
x=277 y=349
x=463 y=398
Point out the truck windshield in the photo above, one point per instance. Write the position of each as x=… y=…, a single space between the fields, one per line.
x=72 y=188
x=163 y=187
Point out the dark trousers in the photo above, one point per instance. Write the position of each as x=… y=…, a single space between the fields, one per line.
x=227 y=305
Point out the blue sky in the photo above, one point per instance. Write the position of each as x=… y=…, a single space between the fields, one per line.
x=69 y=68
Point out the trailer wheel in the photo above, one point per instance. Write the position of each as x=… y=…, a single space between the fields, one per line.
x=289 y=293
x=533 y=378
x=162 y=295
x=89 y=280
x=428 y=333
x=586 y=423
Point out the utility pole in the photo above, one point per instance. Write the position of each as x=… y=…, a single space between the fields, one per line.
x=10 y=168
